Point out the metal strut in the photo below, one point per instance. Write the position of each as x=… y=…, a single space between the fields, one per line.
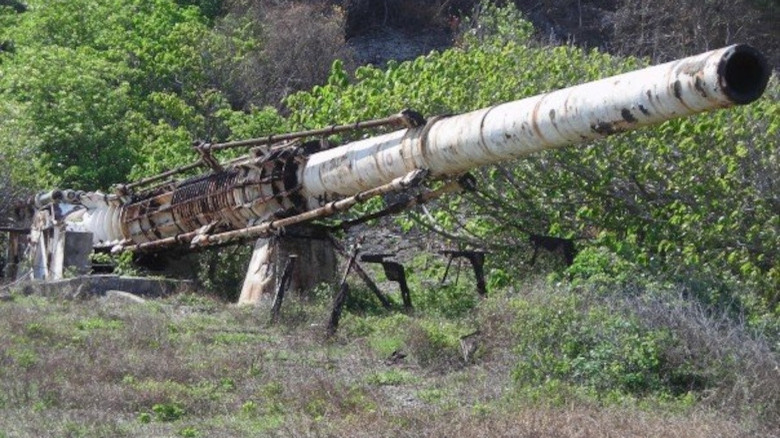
x=407 y=118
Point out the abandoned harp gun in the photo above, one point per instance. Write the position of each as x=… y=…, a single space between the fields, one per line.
x=284 y=180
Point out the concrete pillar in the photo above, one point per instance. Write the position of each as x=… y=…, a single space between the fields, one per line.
x=78 y=248
x=316 y=263
x=68 y=253
x=57 y=255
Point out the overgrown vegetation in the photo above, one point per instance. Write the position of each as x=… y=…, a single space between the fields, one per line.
x=693 y=199
x=667 y=322
x=649 y=364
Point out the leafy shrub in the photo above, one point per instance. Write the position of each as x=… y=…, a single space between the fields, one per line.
x=361 y=300
x=390 y=377
x=690 y=194
x=567 y=340
x=450 y=299
x=433 y=344
x=719 y=358
x=168 y=411
x=600 y=268
x=386 y=334
x=638 y=341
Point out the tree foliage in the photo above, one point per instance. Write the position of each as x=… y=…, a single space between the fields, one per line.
x=114 y=89
x=94 y=93
x=108 y=89
x=693 y=195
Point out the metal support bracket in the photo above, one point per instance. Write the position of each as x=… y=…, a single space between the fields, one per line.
x=477 y=259
x=204 y=149
x=394 y=271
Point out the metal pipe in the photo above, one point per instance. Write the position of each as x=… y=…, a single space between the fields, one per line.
x=397 y=119
x=51 y=197
x=717 y=79
x=163 y=175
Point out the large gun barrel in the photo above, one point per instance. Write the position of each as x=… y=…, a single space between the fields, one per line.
x=721 y=78
x=245 y=196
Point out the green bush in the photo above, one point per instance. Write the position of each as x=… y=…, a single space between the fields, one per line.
x=168 y=411
x=433 y=344
x=361 y=300
x=599 y=265
x=694 y=194
x=566 y=339
x=449 y=299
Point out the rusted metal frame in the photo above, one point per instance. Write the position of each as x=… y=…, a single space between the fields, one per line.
x=246 y=159
x=216 y=212
x=160 y=176
x=290 y=181
x=206 y=196
x=341 y=297
x=477 y=260
x=270 y=227
x=419 y=199
x=201 y=162
x=411 y=179
x=204 y=149
x=406 y=117
x=273 y=197
x=284 y=284
x=141 y=213
x=362 y=274
x=218 y=203
x=277 y=182
x=394 y=271
x=165 y=186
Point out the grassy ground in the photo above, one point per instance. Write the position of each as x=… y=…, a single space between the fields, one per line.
x=191 y=366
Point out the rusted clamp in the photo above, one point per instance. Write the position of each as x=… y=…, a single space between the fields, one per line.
x=412 y=119
x=204 y=149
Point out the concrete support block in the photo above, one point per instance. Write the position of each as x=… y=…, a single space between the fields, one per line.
x=316 y=263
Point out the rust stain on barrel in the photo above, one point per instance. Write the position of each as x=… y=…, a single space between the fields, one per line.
x=699 y=85
x=677 y=89
x=535 y=118
x=627 y=116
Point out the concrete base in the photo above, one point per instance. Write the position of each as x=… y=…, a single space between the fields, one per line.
x=98 y=285
x=316 y=264
x=59 y=252
x=78 y=248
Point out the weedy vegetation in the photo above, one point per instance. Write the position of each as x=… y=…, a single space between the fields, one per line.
x=550 y=359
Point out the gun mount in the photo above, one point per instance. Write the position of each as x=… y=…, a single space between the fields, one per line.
x=291 y=179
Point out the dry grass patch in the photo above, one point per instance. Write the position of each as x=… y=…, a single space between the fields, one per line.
x=191 y=366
